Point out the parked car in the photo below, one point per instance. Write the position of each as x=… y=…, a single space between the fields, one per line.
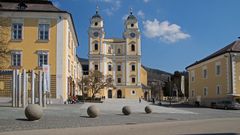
x=226 y=105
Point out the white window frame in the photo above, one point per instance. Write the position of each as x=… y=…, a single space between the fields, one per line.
x=205 y=93
x=17 y=31
x=17 y=21
x=43 y=53
x=44 y=22
x=13 y=53
x=44 y=29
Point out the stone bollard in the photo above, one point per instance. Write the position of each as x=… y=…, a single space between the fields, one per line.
x=126 y=110
x=93 y=111
x=148 y=109
x=33 y=112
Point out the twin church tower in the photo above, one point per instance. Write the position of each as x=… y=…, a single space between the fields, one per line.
x=119 y=57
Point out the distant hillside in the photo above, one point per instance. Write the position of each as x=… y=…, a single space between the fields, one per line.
x=156 y=74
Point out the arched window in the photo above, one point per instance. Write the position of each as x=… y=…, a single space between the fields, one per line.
x=109 y=67
x=109 y=50
x=96 y=23
x=96 y=46
x=119 y=50
x=133 y=67
x=119 y=80
x=133 y=79
x=95 y=67
x=132 y=47
x=132 y=25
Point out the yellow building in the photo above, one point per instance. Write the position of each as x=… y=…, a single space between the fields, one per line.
x=41 y=34
x=216 y=77
x=119 y=57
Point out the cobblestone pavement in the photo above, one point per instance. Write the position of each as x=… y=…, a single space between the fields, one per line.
x=74 y=115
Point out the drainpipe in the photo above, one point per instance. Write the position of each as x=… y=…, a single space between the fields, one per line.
x=231 y=73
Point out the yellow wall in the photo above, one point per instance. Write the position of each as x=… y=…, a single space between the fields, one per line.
x=211 y=81
x=143 y=76
x=30 y=45
x=237 y=74
x=129 y=95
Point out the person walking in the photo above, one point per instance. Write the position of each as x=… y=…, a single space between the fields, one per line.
x=140 y=100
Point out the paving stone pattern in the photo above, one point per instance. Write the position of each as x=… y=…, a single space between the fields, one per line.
x=75 y=115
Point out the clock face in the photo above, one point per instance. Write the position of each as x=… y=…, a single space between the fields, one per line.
x=132 y=35
x=95 y=34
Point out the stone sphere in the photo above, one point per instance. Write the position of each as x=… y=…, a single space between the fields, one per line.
x=148 y=109
x=93 y=111
x=126 y=110
x=33 y=112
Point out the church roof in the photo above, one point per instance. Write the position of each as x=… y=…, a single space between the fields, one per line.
x=32 y=6
x=131 y=16
x=96 y=14
x=233 y=47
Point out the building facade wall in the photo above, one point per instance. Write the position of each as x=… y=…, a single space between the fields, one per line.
x=123 y=60
x=198 y=82
x=236 y=74
x=55 y=47
x=143 y=76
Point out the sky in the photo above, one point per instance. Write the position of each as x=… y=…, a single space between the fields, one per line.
x=174 y=33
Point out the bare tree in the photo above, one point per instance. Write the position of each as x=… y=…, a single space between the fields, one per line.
x=96 y=81
x=4 y=38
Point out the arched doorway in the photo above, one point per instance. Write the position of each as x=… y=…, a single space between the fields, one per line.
x=109 y=93
x=119 y=94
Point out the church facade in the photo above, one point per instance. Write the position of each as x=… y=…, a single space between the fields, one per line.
x=119 y=57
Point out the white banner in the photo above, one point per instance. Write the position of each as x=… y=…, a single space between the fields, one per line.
x=46 y=80
x=182 y=84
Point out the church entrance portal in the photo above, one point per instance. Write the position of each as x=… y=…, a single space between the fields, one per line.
x=119 y=94
x=109 y=93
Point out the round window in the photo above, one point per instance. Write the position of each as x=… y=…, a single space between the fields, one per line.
x=132 y=35
x=95 y=34
x=133 y=92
